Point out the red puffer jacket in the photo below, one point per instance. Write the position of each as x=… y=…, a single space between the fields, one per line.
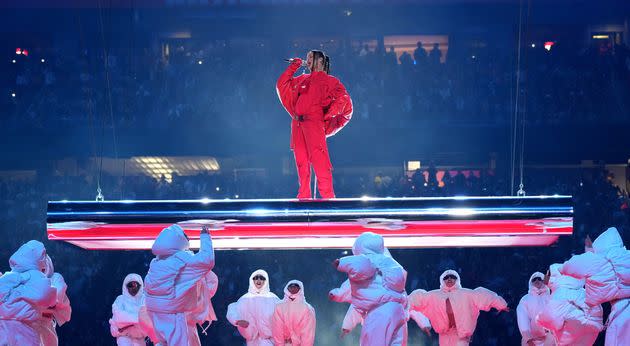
x=316 y=96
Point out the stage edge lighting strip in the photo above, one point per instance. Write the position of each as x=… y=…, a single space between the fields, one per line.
x=331 y=243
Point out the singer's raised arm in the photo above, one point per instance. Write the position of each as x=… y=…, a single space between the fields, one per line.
x=285 y=86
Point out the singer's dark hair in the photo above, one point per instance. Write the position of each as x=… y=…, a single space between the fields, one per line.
x=317 y=54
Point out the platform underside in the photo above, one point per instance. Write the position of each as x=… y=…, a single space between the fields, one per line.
x=293 y=224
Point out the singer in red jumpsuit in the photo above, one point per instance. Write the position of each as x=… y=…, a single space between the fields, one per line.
x=319 y=106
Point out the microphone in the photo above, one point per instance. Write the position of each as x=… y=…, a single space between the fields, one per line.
x=291 y=60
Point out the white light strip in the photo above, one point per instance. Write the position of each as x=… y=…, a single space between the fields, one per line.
x=332 y=243
x=458 y=198
x=260 y=212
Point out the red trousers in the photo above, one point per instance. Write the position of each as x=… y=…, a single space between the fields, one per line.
x=308 y=141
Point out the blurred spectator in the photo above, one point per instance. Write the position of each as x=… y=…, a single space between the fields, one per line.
x=420 y=54
x=435 y=55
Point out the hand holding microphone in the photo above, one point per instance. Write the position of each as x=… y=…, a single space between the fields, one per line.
x=296 y=61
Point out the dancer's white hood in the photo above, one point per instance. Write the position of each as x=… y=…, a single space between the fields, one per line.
x=171 y=240
x=264 y=290
x=607 y=241
x=537 y=291
x=125 y=291
x=294 y=297
x=30 y=256
x=458 y=283
x=369 y=243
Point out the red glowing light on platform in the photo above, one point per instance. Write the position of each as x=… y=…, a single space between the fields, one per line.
x=414 y=234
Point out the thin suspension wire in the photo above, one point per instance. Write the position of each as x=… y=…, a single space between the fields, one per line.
x=517 y=93
x=521 y=186
x=90 y=104
x=108 y=93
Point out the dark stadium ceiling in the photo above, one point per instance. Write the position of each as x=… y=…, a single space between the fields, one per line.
x=271 y=18
x=241 y=3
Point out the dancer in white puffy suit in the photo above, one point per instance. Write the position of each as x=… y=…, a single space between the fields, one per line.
x=353 y=317
x=253 y=313
x=343 y=294
x=606 y=268
x=377 y=285
x=294 y=319
x=204 y=312
x=453 y=310
x=567 y=316
x=55 y=315
x=172 y=285
x=125 y=322
x=537 y=297
x=25 y=293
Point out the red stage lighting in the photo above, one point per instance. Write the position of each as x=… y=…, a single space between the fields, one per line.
x=292 y=224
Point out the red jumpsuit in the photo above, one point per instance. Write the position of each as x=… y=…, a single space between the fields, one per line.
x=319 y=106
